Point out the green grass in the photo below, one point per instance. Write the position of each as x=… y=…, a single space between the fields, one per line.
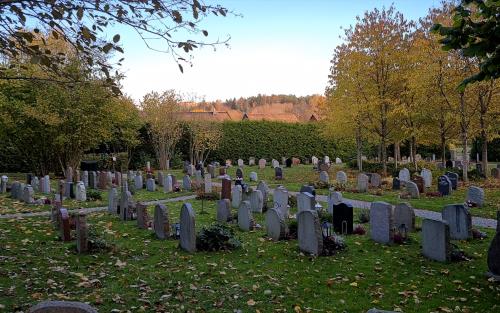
x=146 y=274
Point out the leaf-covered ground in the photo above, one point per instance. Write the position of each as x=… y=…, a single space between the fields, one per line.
x=143 y=274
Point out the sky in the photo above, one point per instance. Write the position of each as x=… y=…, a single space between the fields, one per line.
x=275 y=47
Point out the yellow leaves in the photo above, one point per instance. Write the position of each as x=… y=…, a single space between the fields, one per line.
x=251 y=302
x=120 y=264
x=353 y=284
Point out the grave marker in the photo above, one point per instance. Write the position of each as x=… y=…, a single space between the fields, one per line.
x=436 y=240
x=459 y=221
x=275 y=224
x=309 y=232
x=188 y=228
x=161 y=222
x=381 y=221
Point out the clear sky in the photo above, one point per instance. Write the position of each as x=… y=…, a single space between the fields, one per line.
x=276 y=47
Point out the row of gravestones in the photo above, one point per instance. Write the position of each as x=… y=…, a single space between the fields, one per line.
x=315 y=161
x=341 y=177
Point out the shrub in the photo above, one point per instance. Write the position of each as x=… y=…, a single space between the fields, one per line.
x=359 y=230
x=97 y=241
x=292 y=201
x=332 y=244
x=212 y=196
x=292 y=229
x=324 y=216
x=319 y=185
x=364 y=216
x=93 y=195
x=217 y=237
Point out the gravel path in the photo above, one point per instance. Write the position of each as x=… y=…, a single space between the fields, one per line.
x=476 y=221
x=97 y=209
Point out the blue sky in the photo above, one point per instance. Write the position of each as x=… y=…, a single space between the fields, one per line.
x=276 y=47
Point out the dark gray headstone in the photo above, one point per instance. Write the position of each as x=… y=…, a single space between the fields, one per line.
x=436 y=240
x=459 y=221
x=343 y=218
x=161 y=222
x=62 y=307
x=309 y=232
x=381 y=221
x=453 y=178
x=188 y=228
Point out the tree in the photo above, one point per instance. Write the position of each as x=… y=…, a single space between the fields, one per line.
x=160 y=111
x=204 y=137
x=84 y=24
x=377 y=45
x=475 y=32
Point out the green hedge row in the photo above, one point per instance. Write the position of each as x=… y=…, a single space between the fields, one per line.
x=263 y=139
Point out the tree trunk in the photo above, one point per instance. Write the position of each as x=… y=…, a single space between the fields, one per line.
x=397 y=154
x=484 y=156
x=384 y=155
x=359 y=151
x=414 y=151
x=443 y=149
x=463 y=127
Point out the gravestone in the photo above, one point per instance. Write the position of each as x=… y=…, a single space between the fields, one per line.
x=262 y=164
x=113 y=201
x=436 y=240
x=224 y=214
x=427 y=176
x=323 y=177
x=245 y=219
x=161 y=222
x=343 y=218
x=69 y=174
x=167 y=183
x=275 y=224
x=161 y=178
x=186 y=183
x=118 y=179
x=81 y=192
x=62 y=307
x=35 y=183
x=341 y=177
x=305 y=201
x=444 y=185
x=475 y=195
x=338 y=161
x=375 y=180
x=275 y=163
x=453 y=178
x=126 y=205
x=27 y=195
x=280 y=200
x=188 y=228
x=309 y=232
x=314 y=161
x=222 y=171
x=82 y=233
x=404 y=175
x=85 y=178
x=334 y=198
x=15 y=190
x=493 y=258
x=45 y=184
x=278 y=173
x=256 y=201
x=396 y=183
x=307 y=188
x=211 y=170
x=64 y=226
x=69 y=191
x=208 y=184
x=191 y=169
x=142 y=215
x=262 y=186
x=459 y=221
x=495 y=173
x=138 y=184
x=295 y=161
x=92 y=180
x=288 y=162
x=150 y=185
x=3 y=184
x=226 y=189
x=326 y=159
x=253 y=176
x=412 y=190
x=324 y=166
x=251 y=161
x=241 y=163
x=236 y=195
x=419 y=181
x=381 y=221
x=198 y=176
x=404 y=217
x=362 y=182
x=239 y=173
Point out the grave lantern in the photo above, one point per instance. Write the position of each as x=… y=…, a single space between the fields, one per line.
x=327 y=229
x=403 y=230
x=177 y=228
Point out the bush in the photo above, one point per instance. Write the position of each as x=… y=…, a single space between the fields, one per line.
x=217 y=237
x=93 y=195
x=212 y=196
x=364 y=216
x=292 y=201
x=293 y=227
x=324 y=216
x=359 y=230
x=97 y=241
x=319 y=185
x=332 y=244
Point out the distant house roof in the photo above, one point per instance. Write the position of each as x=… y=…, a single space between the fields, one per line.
x=216 y=116
x=278 y=117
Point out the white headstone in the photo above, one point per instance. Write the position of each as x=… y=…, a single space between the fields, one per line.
x=412 y=189
x=27 y=194
x=427 y=176
x=280 y=199
x=323 y=177
x=245 y=219
x=167 y=183
x=404 y=216
x=275 y=163
x=113 y=200
x=341 y=177
x=241 y=163
x=188 y=228
x=404 y=175
x=338 y=161
x=253 y=176
x=314 y=160
x=309 y=232
x=334 y=198
x=362 y=182
x=381 y=221
x=262 y=163
x=81 y=192
x=305 y=201
x=208 y=184
x=237 y=195
x=275 y=224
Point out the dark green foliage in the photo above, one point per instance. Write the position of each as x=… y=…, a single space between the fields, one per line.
x=264 y=139
x=293 y=226
x=475 y=33
x=97 y=242
x=93 y=195
x=217 y=237
x=212 y=196
x=319 y=185
x=364 y=216
x=292 y=201
x=333 y=244
x=324 y=216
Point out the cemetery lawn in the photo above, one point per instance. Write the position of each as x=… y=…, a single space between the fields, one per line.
x=142 y=273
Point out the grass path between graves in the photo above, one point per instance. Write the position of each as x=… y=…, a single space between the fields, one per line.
x=143 y=274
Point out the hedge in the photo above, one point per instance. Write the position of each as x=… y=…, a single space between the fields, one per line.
x=265 y=139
